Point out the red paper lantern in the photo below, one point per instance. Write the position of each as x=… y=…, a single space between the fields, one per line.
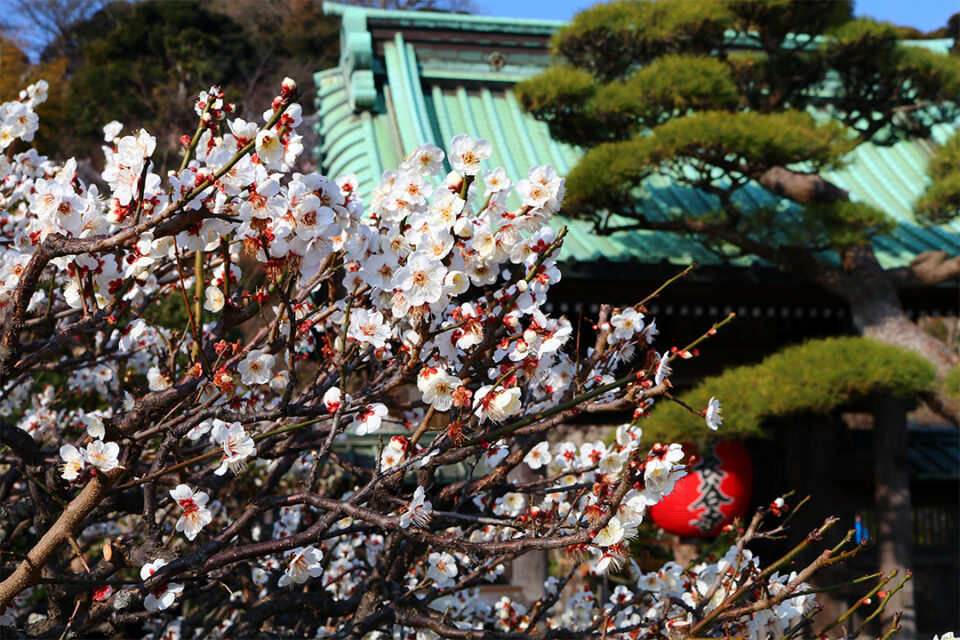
x=715 y=490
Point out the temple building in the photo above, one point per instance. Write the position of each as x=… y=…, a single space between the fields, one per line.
x=408 y=78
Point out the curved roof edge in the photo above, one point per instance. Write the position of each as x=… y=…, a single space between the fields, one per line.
x=464 y=21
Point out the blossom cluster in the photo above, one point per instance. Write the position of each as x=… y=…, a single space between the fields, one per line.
x=310 y=320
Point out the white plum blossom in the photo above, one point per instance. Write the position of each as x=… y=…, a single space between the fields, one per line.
x=626 y=324
x=256 y=368
x=418 y=511
x=496 y=404
x=213 y=299
x=538 y=456
x=236 y=444
x=712 y=414
x=368 y=328
x=466 y=154
x=369 y=418
x=437 y=278
x=94 y=422
x=200 y=429
x=662 y=471
x=512 y=504
x=495 y=453
x=438 y=390
x=393 y=454
x=73 y=462
x=421 y=279
x=613 y=533
x=102 y=455
x=157 y=380
x=663 y=369
x=442 y=568
x=269 y=149
x=426 y=159
x=304 y=564
x=111 y=130
x=333 y=399
x=163 y=596
x=196 y=515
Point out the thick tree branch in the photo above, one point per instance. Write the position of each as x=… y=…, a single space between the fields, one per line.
x=805 y=188
x=927 y=269
x=66 y=527
x=20 y=442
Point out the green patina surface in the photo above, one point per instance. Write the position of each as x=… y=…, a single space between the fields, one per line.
x=389 y=95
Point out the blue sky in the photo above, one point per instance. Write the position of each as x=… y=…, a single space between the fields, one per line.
x=925 y=15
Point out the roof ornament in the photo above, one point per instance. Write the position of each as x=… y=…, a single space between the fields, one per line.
x=356 y=58
x=496 y=60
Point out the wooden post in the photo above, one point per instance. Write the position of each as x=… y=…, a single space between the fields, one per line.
x=529 y=571
x=894 y=536
x=685 y=550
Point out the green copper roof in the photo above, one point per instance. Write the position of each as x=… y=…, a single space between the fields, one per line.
x=407 y=78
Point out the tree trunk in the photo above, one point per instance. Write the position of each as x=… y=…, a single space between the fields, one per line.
x=870 y=290
x=877 y=313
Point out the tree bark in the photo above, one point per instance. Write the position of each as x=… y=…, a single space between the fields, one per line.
x=805 y=188
x=871 y=291
x=877 y=313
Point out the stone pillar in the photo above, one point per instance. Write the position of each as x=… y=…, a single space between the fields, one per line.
x=894 y=536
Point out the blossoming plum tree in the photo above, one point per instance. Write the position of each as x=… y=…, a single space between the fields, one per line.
x=182 y=481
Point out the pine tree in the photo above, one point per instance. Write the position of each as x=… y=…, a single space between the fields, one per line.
x=719 y=95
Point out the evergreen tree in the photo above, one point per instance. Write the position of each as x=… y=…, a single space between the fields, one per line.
x=143 y=71
x=720 y=95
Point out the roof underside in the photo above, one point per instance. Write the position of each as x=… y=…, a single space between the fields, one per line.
x=411 y=78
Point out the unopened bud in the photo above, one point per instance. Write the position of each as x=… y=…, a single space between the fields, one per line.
x=288 y=86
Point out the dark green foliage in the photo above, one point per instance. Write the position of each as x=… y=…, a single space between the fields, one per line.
x=561 y=98
x=610 y=40
x=815 y=377
x=749 y=142
x=673 y=85
x=717 y=94
x=773 y=20
x=883 y=84
x=736 y=145
x=71 y=42
x=941 y=201
x=845 y=224
x=578 y=108
x=144 y=71
x=142 y=63
x=604 y=177
x=951 y=384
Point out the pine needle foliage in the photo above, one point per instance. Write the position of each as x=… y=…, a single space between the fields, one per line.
x=952 y=383
x=738 y=145
x=816 y=377
x=725 y=91
x=941 y=201
x=611 y=40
